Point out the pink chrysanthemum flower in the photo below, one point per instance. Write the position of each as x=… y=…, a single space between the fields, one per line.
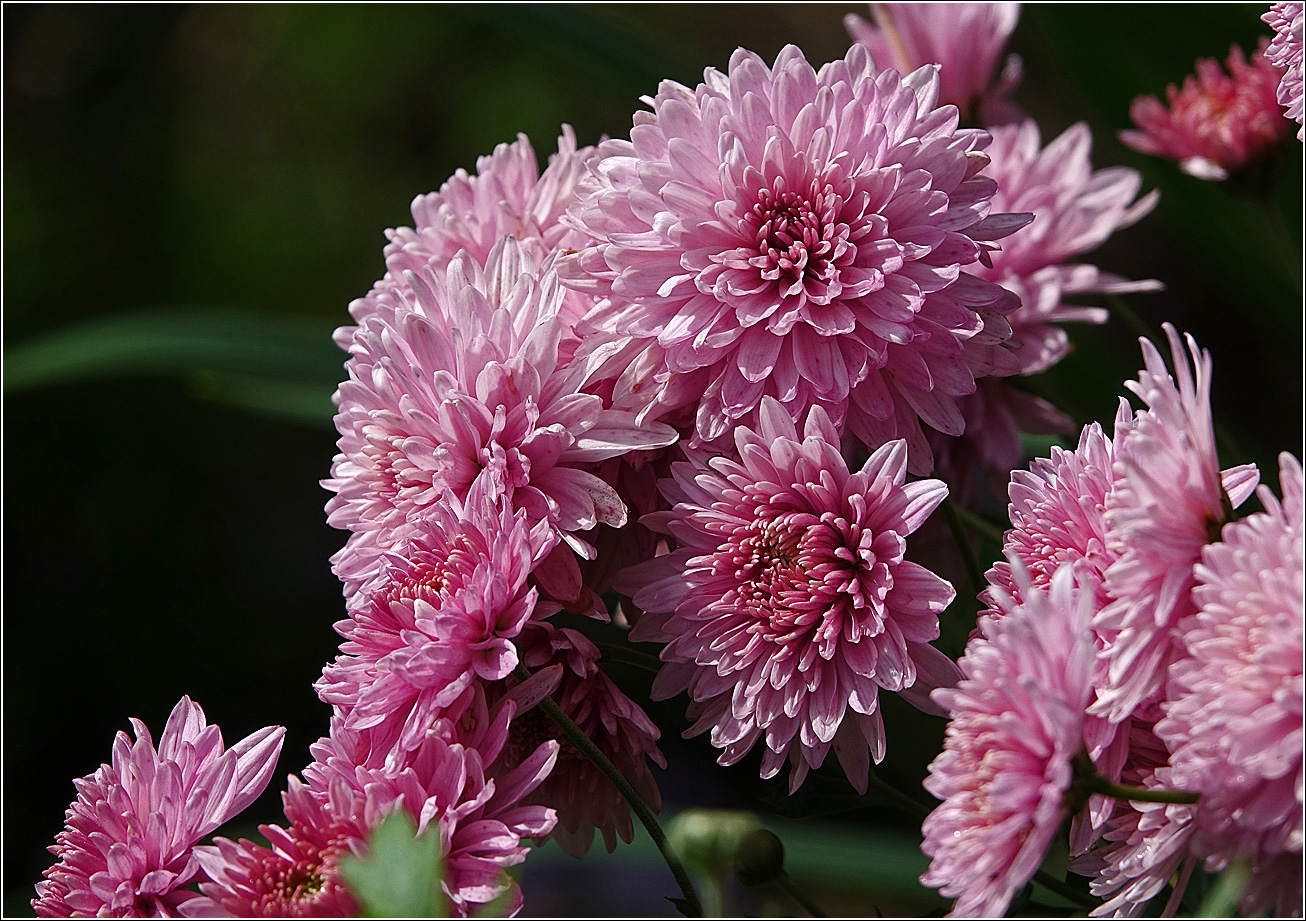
x=1006 y=767
x=1144 y=845
x=457 y=785
x=127 y=848
x=1217 y=123
x=464 y=380
x=1233 y=720
x=1075 y=208
x=444 y=786
x=1168 y=501
x=1285 y=53
x=789 y=604
x=584 y=798
x=796 y=234
x=298 y=875
x=966 y=40
x=440 y=616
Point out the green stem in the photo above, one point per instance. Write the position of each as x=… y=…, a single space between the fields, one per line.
x=619 y=653
x=581 y=742
x=959 y=535
x=1050 y=882
x=787 y=886
x=1099 y=784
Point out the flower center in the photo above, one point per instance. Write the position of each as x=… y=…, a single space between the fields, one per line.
x=800 y=241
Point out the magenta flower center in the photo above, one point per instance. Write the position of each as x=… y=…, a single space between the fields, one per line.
x=799 y=240
x=797 y=571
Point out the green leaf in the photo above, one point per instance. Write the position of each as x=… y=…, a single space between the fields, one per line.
x=173 y=341
x=400 y=876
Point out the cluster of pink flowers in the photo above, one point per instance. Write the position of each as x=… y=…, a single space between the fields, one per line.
x=726 y=366
x=1191 y=678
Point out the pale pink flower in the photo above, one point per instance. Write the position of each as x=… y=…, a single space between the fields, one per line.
x=464 y=380
x=508 y=196
x=966 y=40
x=446 y=788
x=1285 y=53
x=438 y=617
x=1017 y=718
x=788 y=603
x=127 y=848
x=1233 y=719
x=1144 y=844
x=1168 y=501
x=1076 y=208
x=796 y=234
x=584 y=798
x=1217 y=123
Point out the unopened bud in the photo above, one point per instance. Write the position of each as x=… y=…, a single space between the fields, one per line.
x=759 y=858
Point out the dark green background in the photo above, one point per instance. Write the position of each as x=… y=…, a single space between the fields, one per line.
x=163 y=524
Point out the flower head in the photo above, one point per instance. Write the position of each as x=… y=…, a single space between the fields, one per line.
x=1168 y=500
x=1217 y=123
x=966 y=40
x=796 y=234
x=440 y=616
x=127 y=848
x=464 y=380
x=789 y=603
x=1017 y=723
x=1233 y=720
x=1285 y=53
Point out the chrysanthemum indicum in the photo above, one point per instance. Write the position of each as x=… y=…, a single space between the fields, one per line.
x=127 y=850
x=462 y=380
x=1006 y=767
x=789 y=604
x=796 y=234
x=1285 y=53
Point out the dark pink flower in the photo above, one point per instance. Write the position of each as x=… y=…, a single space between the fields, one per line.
x=583 y=797
x=1285 y=53
x=797 y=234
x=966 y=40
x=1217 y=123
x=127 y=848
x=1006 y=767
x=438 y=617
x=788 y=603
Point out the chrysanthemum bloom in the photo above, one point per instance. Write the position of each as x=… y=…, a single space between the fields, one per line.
x=1144 y=844
x=1233 y=718
x=1169 y=500
x=461 y=381
x=788 y=603
x=508 y=196
x=1075 y=208
x=453 y=785
x=964 y=39
x=127 y=848
x=438 y=617
x=796 y=234
x=445 y=788
x=1217 y=123
x=1285 y=53
x=1006 y=766
x=584 y=798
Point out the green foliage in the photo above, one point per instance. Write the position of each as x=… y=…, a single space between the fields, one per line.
x=400 y=876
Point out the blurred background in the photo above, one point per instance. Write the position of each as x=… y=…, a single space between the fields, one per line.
x=192 y=196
